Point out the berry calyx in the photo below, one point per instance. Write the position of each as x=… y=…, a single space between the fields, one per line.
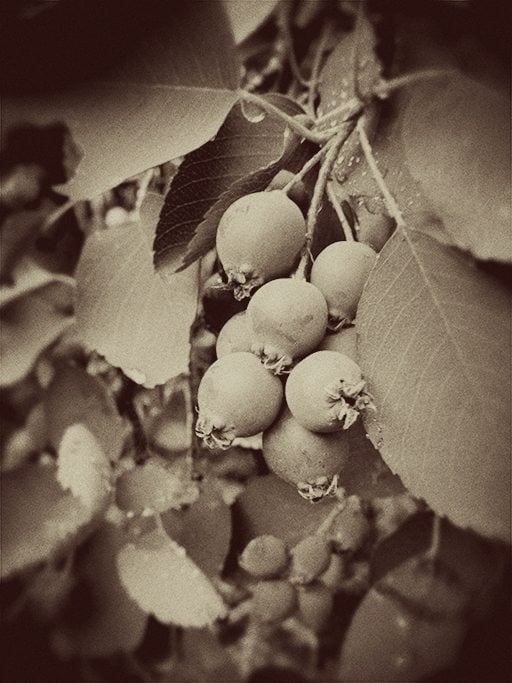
x=340 y=272
x=288 y=319
x=236 y=397
x=259 y=238
x=326 y=392
x=264 y=557
x=310 y=461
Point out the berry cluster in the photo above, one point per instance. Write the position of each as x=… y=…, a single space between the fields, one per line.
x=298 y=582
x=294 y=341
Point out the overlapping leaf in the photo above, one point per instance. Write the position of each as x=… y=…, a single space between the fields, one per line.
x=158 y=82
x=74 y=397
x=434 y=345
x=127 y=312
x=163 y=580
x=38 y=517
x=240 y=148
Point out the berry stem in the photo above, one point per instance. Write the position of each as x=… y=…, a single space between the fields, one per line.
x=283 y=21
x=389 y=200
x=385 y=88
x=317 y=63
x=339 y=213
x=350 y=108
x=319 y=191
x=277 y=113
x=310 y=163
x=435 y=542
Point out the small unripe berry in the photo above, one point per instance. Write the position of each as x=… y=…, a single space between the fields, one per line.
x=351 y=527
x=273 y=601
x=297 y=193
x=344 y=341
x=264 y=557
x=326 y=392
x=374 y=227
x=288 y=318
x=309 y=558
x=333 y=575
x=308 y=460
x=315 y=606
x=234 y=336
x=259 y=238
x=236 y=397
x=340 y=272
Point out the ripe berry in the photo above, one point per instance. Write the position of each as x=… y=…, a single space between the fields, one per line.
x=234 y=336
x=236 y=397
x=259 y=238
x=309 y=558
x=273 y=601
x=308 y=460
x=344 y=341
x=326 y=392
x=340 y=272
x=288 y=318
x=264 y=557
x=315 y=606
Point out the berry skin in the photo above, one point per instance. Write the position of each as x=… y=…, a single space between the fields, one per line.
x=309 y=558
x=373 y=228
x=315 y=606
x=288 y=319
x=264 y=557
x=273 y=601
x=326 y=392
x=236 y=397
x=259 y=238
x=297 y=193
x=344 y=341
x=308 y=460
x=340 y=272
x=234 y=336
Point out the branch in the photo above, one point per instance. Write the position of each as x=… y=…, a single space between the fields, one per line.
x=385 y=88
x=292 y=122
x=339 y=212
x=389 y=200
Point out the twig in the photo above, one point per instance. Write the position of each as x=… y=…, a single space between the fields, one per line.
x=352 y=107
x=385 y=88
x=310 y=163
x=284 y=24
x=318 y=194
x=389 y=200
x=317 y=63
x=292 y=122
x=435 y=542
x=339 y=212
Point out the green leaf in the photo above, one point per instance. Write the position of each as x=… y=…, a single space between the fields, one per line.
x=456 y=138
x=83 y=467
x=127 y=312
x=245 y=16
x=110 y=621
x=38 y=517
x=28 y=325
x=239 y=148
x=152 y=83
x=434 y=345
x=163 y=580
x=74 y=396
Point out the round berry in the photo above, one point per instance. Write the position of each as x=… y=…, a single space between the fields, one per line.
x=297 y=193
x=234 y=336
x=351 y=527
x=340 y=272
x=315 y=604
x=273 y=601
x=333 y=575
x=309 y=558
x=373 y=227
x=308 y=460
x=259 y=238
x=236 y=397
x=326 y=392
x=264 y=557
x=288 y=319
x=344 y=341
